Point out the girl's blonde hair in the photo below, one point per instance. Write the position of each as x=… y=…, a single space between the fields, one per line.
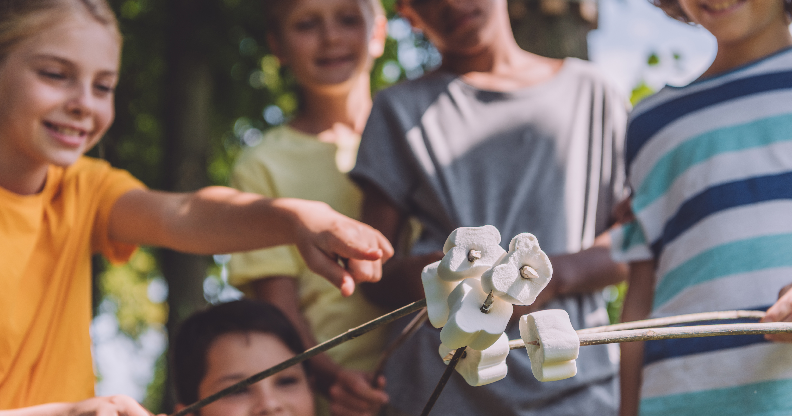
x=20 y=19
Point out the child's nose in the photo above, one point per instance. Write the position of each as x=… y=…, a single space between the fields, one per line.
x=81 y=101
x=267 y=403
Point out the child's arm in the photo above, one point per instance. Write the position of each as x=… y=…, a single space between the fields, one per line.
x=401 y=277
x=350 y=391
x=223 y=220
x=637 y=306
x=104 y=406
x=781 y=312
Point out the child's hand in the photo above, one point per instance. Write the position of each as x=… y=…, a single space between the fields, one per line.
x=352 y=394
x=97 y=406
x=780 y=312
x=325 y=237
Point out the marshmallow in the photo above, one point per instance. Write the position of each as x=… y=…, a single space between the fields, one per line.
x=469 y=251
x=558 y=344
x=481 y=367
x=437 y=291
x=521 y=274
x=467 y=325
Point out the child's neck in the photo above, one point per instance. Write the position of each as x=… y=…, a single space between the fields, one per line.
x=736 y=54
x=501 y=65
x=324 y=110
x=22 y=180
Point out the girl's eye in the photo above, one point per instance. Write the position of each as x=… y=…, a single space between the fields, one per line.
x=306 y=24
x=104 y=88
x=285 y=381
x=351 y=20
x=56 y=75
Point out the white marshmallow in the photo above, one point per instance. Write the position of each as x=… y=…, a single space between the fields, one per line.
x=479 y=244
x=482 y=367
x=558 y=344
x=467 y=325
x=507 y=281
x=436 y=291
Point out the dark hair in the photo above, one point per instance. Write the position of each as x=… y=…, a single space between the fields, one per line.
x=199 y=331
x=20 y=19
x=673 y=9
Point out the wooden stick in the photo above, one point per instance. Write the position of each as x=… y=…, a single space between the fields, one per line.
x=443 y=380
x=676 y=332
x=312 y=352
x=675 y=320
x=406 y=333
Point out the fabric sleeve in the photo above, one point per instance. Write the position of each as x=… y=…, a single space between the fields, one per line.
x=613 y=187
x=251 y=175
x=628 y=243
x=384 y=158
x=116 y=182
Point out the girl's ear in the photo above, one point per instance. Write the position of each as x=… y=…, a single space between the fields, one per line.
x=379 y=32
x=276 y=48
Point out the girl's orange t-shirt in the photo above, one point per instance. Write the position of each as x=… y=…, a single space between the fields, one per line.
x=45 y=281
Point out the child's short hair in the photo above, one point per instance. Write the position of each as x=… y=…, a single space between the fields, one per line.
x=196 y=335
x=20 y=19
x=673 y=9
x=276 y=10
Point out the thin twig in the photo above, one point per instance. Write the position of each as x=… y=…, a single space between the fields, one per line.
x=443 y=380
x=653 y=334
x=658 y=322
x=685 y=332
x=312 y=352
x=675 y=320
x=407 y=332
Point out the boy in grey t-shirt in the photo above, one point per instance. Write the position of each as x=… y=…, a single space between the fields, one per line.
x=496 y=136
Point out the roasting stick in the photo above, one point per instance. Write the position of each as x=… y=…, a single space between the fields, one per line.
x=346 y=336
x=406 y=333
x=653 y=334
x=676 y=320
x=458 y=354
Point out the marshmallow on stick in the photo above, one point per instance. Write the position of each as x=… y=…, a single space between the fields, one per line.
x=470 y=323
x=552 y=344
x=482 y=367
x=437 y=292
x=521 y=274
x=469 y=252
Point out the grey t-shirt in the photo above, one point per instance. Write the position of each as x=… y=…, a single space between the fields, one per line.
x=544 y=160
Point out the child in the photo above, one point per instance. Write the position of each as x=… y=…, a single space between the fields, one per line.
x=504 y=137
x=329 y=46
x=59 y=61
x=228 y=343
x=710 y=165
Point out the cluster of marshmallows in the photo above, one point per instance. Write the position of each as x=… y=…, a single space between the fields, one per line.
x=470 y=293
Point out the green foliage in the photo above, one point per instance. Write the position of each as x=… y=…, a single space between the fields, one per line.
x=614 y=295
x=640 y=92
x=653 y=59
x=127 y=287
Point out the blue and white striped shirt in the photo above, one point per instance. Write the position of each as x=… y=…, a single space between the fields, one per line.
x=710 y=165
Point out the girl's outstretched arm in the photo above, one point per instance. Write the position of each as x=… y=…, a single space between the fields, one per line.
x=223 y=220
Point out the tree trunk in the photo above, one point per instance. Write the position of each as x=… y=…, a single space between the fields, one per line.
x=553 y=28
x=188 y=99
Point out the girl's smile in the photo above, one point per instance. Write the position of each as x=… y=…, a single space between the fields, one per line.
x=58 y=98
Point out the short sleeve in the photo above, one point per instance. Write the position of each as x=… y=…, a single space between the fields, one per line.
x=115 y=183
x=384 y=158
x=628 y=243
x=613 y=188
x=250 y=174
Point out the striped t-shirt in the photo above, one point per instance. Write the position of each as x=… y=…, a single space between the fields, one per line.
x=710 y=165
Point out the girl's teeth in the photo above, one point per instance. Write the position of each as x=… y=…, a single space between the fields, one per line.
x=67 y=131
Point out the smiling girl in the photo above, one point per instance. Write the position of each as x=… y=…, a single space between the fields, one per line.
x=329 y=46
x=59 y=62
